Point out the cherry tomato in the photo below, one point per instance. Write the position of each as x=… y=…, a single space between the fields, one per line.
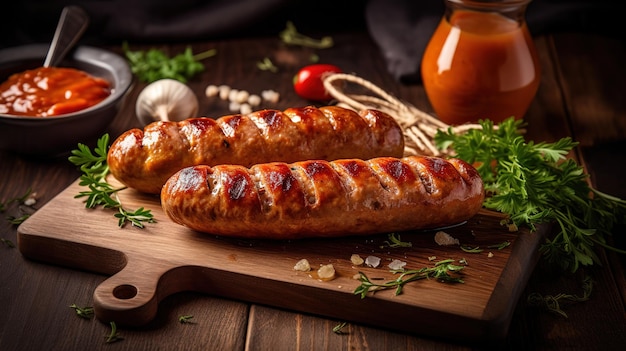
x=308 y=82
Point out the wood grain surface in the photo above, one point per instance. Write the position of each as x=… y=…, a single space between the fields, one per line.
x=147 y=265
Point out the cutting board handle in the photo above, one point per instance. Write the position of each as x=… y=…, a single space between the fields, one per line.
x=128 y=298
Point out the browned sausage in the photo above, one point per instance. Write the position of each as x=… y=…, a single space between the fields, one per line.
x=145 y=159
x=324 y=199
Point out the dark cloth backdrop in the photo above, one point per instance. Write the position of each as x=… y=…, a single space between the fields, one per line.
x=401 y=28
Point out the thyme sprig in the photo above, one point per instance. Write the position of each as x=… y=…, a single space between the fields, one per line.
x=4 y=205
x=500 y=246
x=186 y=319
x=440 y=271
x=536 y=183
x=267 y=65
x=395 y=241
x=477 y=249
x=19 y=201
x=94 y=167
x=8 y=243
x=113 y=335
x=553 y=302
x=338 y=329
x=83 y=312
x=290 y=35
x=470 y=249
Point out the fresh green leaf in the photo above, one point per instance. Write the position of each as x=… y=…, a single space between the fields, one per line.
x=537 y=183
x=154 y=64
x=95 y=169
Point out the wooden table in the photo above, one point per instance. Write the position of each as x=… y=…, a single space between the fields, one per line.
x=581 y=95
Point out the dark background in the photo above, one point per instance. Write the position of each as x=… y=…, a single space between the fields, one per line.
x=113 y=21
x=401 y=28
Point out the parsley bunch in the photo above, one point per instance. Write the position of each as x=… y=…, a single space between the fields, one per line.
x=154 y=64
x=536 y=183
x=94 y=167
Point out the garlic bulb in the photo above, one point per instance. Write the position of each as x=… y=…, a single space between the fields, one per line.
x=166 y=100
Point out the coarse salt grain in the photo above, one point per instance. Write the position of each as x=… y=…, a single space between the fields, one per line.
x=445 y=239
x=397 y=265
x=302 y=265
x=326 y=272
x=356 y=260
x=372 y=261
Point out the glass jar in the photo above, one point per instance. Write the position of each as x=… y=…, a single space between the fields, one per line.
x=481 y=62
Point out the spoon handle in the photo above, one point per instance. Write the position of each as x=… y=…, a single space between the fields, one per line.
x=72 y=24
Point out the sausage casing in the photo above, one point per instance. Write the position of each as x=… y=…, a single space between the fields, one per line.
x=324 y=199
x=145 y=159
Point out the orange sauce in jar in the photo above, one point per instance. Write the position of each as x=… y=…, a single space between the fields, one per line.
x=51 y=91
x=480 y=65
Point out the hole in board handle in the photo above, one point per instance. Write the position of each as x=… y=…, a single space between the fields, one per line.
x=125 y=292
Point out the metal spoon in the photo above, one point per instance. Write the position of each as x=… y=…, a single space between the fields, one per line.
x=72 y=24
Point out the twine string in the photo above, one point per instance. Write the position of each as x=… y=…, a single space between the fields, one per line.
x=419 y=128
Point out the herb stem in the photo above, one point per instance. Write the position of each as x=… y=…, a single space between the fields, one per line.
x=204 y=54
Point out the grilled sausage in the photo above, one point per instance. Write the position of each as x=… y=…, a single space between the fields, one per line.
x=324 y=199
x=145 y=159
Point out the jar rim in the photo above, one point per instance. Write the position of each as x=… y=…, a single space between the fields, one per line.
x=490 y=3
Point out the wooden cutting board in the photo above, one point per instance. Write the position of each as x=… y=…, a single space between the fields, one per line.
x=146 y=265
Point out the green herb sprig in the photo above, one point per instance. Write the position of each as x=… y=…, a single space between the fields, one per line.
x=83 y=312
x=553 y=302
x=94 y=167
x=185 y=319
x=113 y=335
x=154 y=64
x=19 y=201
x=267 y=65
x=440 y=271
x=290 y=35
x=395 y=241
x=8 y=243
x=338 y=329
x=536 y=183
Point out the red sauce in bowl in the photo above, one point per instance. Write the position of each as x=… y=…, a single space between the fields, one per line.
x=51 y=91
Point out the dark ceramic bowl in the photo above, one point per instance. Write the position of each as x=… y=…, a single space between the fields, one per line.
x=60 y=134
